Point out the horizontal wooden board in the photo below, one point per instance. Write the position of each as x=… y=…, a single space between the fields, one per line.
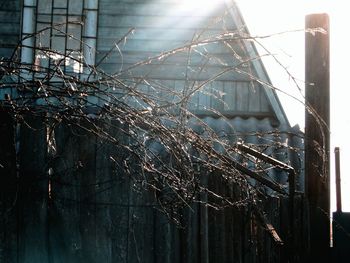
x=227 y=97
x=160 y=21
x=154 y=9
x=158 y=47
x=8 y=40
x=6 y=52
x=174 y=71
x=9 y=16
x=9 y=5
x=171 y=33
x=156 y=58
x=9 y=29
x=9 y=26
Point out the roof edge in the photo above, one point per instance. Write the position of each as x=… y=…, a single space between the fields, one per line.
x=258 y=64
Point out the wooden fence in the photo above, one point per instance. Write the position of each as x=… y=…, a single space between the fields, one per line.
x=70 y=202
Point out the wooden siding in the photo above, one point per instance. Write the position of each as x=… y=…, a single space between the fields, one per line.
x=75 y=204
x=10 y=17
x=159 y=27
x=162 y=26
x=225 y=97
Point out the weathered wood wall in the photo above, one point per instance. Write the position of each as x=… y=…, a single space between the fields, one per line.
x=159 y=27
x=10 y=17
x=8 y=189
x=75 y=204
x=230 y=98
x=167 y=25
x=69 y=199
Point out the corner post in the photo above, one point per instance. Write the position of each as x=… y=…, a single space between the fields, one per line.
x=317 y=139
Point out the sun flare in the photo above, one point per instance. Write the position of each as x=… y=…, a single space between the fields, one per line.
x=202 y=6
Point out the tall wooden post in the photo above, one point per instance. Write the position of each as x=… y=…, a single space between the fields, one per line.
x=317 y=125
x=337 y=179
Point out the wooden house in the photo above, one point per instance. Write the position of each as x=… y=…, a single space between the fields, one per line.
x=200 y=57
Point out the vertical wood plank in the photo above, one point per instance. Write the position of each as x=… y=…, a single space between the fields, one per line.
x=112 y=197
x=230 y=221
x=189 y=235
x=163 y=239
x=141 y=222
x=104 y=185
x=120 y=200
x=230 y=96
x=271 y=250
x=264 y=103
x=87 y=171
x=65 y=238
x=254 y=97
x=248 y=253
x=237 y=236
x=204 y=220
x=284 y=228
x=141 y=228
x=242 y=97
x=33 y=192
x=216 y=222
x=8 y=189
x=217 y=89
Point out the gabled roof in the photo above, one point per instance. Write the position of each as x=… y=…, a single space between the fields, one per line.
x=174 y=47
x=259 y=66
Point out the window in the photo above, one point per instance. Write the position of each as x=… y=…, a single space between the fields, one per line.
x=59 y=36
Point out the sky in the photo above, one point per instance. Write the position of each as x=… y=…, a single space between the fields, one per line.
x=272 y=17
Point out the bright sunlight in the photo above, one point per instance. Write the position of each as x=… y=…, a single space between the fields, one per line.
x=273 y=16
x=200 y=6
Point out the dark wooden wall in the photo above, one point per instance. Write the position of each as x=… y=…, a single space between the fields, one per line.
x=160 y=27
x=67 y=198
x=8 y=189
x=73 y=203
x=10 y=17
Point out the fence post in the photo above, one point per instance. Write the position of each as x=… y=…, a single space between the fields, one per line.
x=317 y=134
x=337 y=178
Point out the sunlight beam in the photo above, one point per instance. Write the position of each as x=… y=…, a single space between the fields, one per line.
x=199 y=6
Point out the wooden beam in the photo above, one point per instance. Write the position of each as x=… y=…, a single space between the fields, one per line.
x=337 y=178
x=317 y=134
